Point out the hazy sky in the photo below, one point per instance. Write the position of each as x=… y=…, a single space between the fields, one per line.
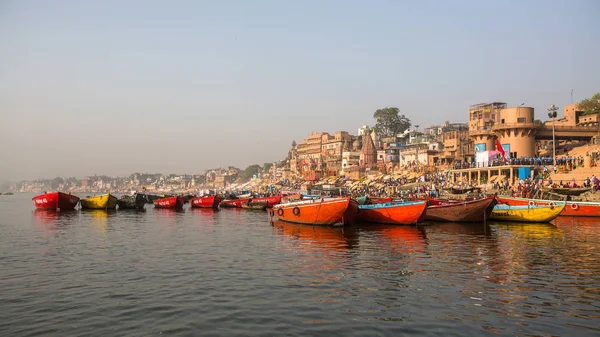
x=115 y=87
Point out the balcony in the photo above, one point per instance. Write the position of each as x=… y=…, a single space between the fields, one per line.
x=524 y=125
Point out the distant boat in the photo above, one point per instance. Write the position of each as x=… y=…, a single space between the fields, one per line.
x=233 y=203
x=256 y=205
x=574 y=191
x=405 y=213
x=105 y=201
x=322 y=212
x=271 y=201
x=136 y=201
x=459 y=211
x=169 y=202
x=8 y=193
x=151 y=197
x=456 y=190
x=366 y=200
x=208 y=201
x=536 y=213
x=55 y=201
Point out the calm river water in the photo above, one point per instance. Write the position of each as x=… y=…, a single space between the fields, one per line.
x=231 y=273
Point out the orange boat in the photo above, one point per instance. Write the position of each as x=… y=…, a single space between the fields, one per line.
x=55 y=201
x=208 y=201
x=170 y=203
x=572 y=208
x=405 y=213
x=321 y=212
x=233 y=203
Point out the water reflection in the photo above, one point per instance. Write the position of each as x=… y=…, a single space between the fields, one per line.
x=403 y=239
x=318 y=237
x=52 y=219
x=169 y=217
x=529 y=230
x=99 y=218
x=204 y=216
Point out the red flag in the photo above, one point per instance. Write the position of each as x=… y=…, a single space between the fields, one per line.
x=500 y=149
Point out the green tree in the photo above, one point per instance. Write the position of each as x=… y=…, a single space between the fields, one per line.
x=390 y=122
x=56 y=181
x=249 y=172
x=267 y=166
x=590 y=105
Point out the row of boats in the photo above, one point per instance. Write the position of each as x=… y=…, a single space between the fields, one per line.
x=328 y=211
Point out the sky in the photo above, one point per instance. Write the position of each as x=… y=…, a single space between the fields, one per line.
x=116 y=87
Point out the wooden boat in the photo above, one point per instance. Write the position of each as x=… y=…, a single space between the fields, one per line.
x=151 y=197
x=459 y=211
x=271 y=201
x=188 y=197
x=404 y=213
x=233 y=203
x=536 y=213
x=207 y=201
x=366 y=200
x=319 y=212
x=573 y=208
x=256 y=205
x=136 y=201
x=55 y=201
x=105 y=201
x=169 y=202
x=456 y=190
x=574 y=191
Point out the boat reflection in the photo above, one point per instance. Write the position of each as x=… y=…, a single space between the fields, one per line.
x=318 y=237
x=52 y=219
x=98 y=218
x=528 y=230
x=398 y=238
x=204 y=216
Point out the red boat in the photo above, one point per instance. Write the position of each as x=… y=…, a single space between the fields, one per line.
x=170 y=202
x=271 y=201
x=322 y=212
x=392 y=213
x=56 y=201
x=459 y=211
x=573 y=208
x=209 y=201
x=233 y=203
x=379 y=200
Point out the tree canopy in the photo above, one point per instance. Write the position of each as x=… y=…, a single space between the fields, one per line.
x=590 y=105
x=249 y=172
x=390 y=122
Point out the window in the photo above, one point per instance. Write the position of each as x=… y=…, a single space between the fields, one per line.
x=521 y=120
x=502 y=121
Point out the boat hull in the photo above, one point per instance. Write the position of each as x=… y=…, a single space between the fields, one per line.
x=392 y=213
x=206 y=202
x=169 y=203
x=573 y=208
x=465 y=211
x=55 y=201
x=136 y=201
x=271 y=201
x=503 y=212
x=255 y=205
x=233 y=203
x=105 y=201
x=318 y=212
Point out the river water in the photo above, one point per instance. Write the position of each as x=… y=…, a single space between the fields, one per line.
x=232 y=273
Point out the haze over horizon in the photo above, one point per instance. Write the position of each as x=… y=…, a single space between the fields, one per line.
x=117 y=87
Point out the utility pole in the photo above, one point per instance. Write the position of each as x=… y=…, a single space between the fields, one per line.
x=552 y=114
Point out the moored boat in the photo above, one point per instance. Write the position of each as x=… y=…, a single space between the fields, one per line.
x=256 y=205
x=169 y=202
x=271 y=201
x=233 y=203
x=321 y=212
x=573 y=191
x=135 y=201
x=207 y=201
x=55 y=201
x=526 y=213
x=459 y=211
x=573 y=208
x=392 y=213
x=104 y=201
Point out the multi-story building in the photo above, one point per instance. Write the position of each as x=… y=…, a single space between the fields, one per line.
x=457 y=143
x=309 y=151
x=332 y=148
